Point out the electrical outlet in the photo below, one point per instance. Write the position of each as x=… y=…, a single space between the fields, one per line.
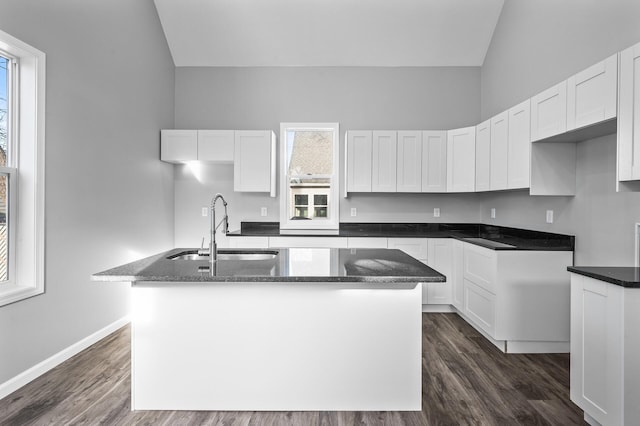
x=436 y=212
x=354 y=212
x=205 y=211
x=263 y=211
x=549 y=216
x=493 y=213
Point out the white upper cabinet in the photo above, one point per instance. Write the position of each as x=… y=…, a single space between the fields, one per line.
x=483 y=156
x=359 y=150
x=254 y=161
x=549 y=112
x=461 y=160
x=409 y=169
x=434 y=161
x=384 y=155
x=216 y=146
x=592 y=94
x=178 y=146
x=499 y=151
x=629 y=115
x=519 y=150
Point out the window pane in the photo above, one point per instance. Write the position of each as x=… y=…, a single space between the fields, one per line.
x=4 y=110
x=310 y=152
x=320 y=200
x=320 y=212
x=301 y=200
x=4 y=232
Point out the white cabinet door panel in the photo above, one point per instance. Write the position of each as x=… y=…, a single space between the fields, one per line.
x=483 y=156
x=359 y=152
x=434 y=161
x=461 y=160
x=480 y=266
x=178 y=146
x=409 y=169
x=629 y=115
x=480 y=306
x=384 y=155
x=216 y=146
x=440 y=255
x=499 y=150
x=519 y=150
x=254 y=161
x=414 y=247
x=549 y=112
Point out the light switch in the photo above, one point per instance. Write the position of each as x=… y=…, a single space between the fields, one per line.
x=354 y=212
x=205 y=211
x=263 y=211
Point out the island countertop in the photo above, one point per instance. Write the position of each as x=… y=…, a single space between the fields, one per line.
x=288 y=265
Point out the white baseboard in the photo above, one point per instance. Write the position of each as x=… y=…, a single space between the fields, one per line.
x=438 y=308
x=38 y=370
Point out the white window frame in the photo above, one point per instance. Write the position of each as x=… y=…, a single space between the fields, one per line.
x=332 y=224
x=26 y=171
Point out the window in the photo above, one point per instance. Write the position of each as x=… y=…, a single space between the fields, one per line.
x=21 y=170
x=309 y=177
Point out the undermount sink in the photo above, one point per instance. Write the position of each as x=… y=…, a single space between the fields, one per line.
x=228 y=255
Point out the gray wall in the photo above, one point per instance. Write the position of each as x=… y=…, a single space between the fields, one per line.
x=358 y=98
x=538 y=44
x=110 y=80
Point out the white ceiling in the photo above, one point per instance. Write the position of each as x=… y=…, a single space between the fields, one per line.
x=328 y=32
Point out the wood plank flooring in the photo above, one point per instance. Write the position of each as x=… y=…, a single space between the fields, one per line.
x=466 y=381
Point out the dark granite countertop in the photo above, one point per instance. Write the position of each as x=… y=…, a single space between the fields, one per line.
x=478 y=234
x=624 y=276
x=289 y=265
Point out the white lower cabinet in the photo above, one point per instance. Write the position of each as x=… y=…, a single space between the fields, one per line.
x=307 y=242
x=457 y=274
x=518 y=299
x=605 y=348
x=440 y=258
x=366 y=242
x=248 y=242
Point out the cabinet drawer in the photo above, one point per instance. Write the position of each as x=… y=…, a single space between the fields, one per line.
x=308 y=242
x=480 y=266
x=480 y=306
x=414 y=247
x=366 y=242
x=248 y=242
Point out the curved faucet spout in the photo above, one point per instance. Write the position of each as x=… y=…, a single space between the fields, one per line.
x=213 y=247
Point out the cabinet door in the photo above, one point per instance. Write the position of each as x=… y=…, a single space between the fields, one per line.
x=409 y=162
x=216 y=146
x=480 y=266
x=629 y=115
x=499 y=150
x=457 y=275
x=254 y=157
x=434 y=161
x=440 y=255
x=483 y=156
x=519 y=150
x=592 y=94
x=383 y=173
x=480 y=306
x=366 y=242
x=178 y=146
x=597 y=347
x=414 y=247
x=549 y=112
x=461 y=160
x=359 y=152
x=248 y=242
x=307 y=242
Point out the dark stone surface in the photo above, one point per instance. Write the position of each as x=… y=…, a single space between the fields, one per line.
x=325 y=265
x=625 y=276
x=518 y=239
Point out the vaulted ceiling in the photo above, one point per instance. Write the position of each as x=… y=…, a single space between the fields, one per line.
x=328 y=32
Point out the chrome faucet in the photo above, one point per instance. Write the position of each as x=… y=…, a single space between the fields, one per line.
x=213 y=247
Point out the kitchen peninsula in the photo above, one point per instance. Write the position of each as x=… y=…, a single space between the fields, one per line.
x=285 y=329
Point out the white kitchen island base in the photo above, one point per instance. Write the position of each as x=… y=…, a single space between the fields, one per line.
x=283 y=346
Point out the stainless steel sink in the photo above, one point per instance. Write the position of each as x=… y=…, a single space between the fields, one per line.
x=228 y=255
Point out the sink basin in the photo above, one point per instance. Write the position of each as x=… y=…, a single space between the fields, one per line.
x=228 y=255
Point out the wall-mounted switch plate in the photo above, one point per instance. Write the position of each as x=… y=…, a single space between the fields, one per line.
x=436 y=212
x=549 y=216
x=205 y=211
x=493 y=213
x=354 y=212
x=263 y=211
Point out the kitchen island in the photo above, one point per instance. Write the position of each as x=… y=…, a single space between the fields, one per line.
x=287 y=329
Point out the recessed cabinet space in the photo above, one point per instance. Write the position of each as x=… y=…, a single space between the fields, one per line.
x=592 y=94
x=211 y=146
x=628 y=119
x=358 y=161
x=384 y=161
x=483 y=156
x=461 y=159
x=434 y=161
x=254 y=161
x=499 y=149
x=409 y=161
x=549 y=112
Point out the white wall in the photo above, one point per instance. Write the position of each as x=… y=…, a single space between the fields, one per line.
x=535 y=45
x=109 y=200
x=359 y=98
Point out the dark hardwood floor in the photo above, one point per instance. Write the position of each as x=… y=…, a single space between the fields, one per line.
x=466 y=380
